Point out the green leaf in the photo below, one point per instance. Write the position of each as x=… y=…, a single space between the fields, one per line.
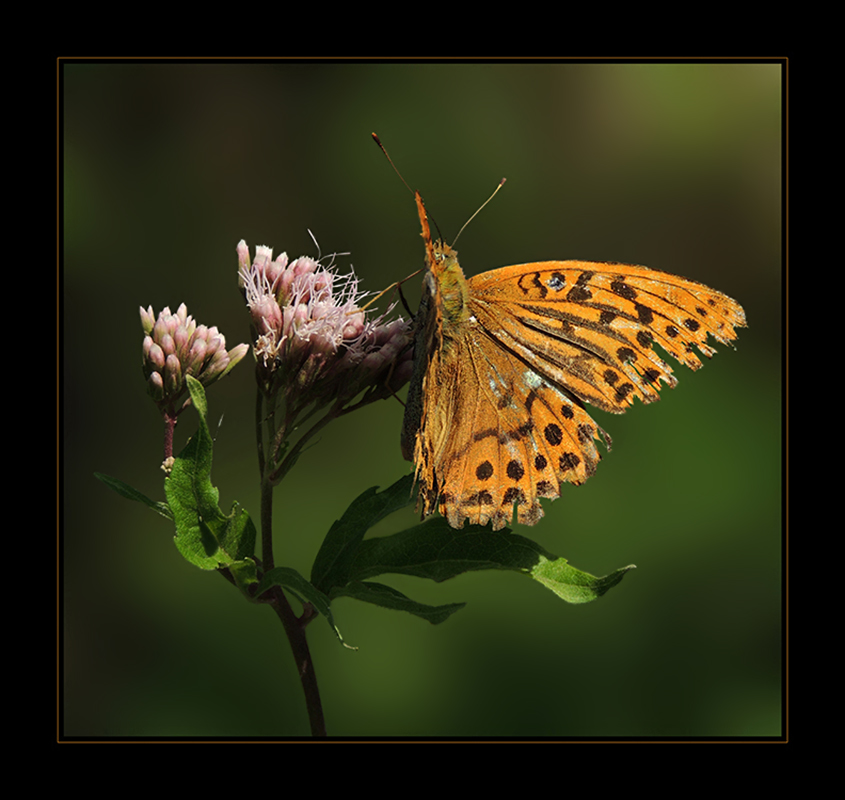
x=430 y=550
x=436 y=551
x=125 y=490
x=339 y=548
x=206 y=536
x=571 y=584
x=304 y=591
x=197 y=396
x=388 y=597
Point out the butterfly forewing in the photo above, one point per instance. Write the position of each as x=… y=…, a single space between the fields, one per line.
x=590 y=326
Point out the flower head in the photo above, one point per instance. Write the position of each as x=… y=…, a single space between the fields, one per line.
x=175 y=346
x=312 y=338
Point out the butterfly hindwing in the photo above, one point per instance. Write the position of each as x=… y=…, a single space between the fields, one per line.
x=520 y=437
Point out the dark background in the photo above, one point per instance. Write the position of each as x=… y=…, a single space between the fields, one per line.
x=676 y=166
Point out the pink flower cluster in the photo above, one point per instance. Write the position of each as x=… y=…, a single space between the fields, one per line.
x=175 y=346
x=312 y=338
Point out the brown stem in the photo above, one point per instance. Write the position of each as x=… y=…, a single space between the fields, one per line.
x=267 y=524
x=266 y=489
x=259 y=430
x=294 y=627
x=169 y=425
x=295 y=631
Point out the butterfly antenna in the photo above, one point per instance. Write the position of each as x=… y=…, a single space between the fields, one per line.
x=396 y=170
x=387 y=156
x=501 y=184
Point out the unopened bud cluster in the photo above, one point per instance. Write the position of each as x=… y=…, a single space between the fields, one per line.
x=313 y=340
x=175 y=346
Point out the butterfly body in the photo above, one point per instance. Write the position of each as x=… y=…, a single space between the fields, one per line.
x=505 y=361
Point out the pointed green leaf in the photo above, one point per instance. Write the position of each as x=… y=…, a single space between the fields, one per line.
x=125 y=490
x=571 y=584
x=304 y=591
x=388 y=597
x=331 y=566
x=436 y=551
x=197 y=395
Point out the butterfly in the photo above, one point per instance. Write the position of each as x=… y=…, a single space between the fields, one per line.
x=504 y=363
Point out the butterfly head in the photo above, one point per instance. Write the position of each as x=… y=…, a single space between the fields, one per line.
x=444 y=277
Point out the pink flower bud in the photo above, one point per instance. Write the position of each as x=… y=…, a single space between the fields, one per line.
x=275 y=269
x=219 y=361
x=155 y=386
x=196 y=357
x=236 y=354
x=172 y=375
x=266 y=314
x=171 y=323
x=168 y=344
x=215 y=343
x=354 y=326
x=160 y=328
x=147 y=319
x=156 y=356
x=243 y=257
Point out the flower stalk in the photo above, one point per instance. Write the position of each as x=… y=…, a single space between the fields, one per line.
x=314 y=348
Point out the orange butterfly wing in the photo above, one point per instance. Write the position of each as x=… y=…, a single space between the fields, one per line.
x=504 y=363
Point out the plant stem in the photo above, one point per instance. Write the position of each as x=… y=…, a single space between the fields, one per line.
x=266 y=488
x=169 y=425
x=294 y=626
x=293 y=454
x=267 y=524
x=295 y=630
x=259 y=430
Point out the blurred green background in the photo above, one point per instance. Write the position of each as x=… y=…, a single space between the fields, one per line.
x=676 y=166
